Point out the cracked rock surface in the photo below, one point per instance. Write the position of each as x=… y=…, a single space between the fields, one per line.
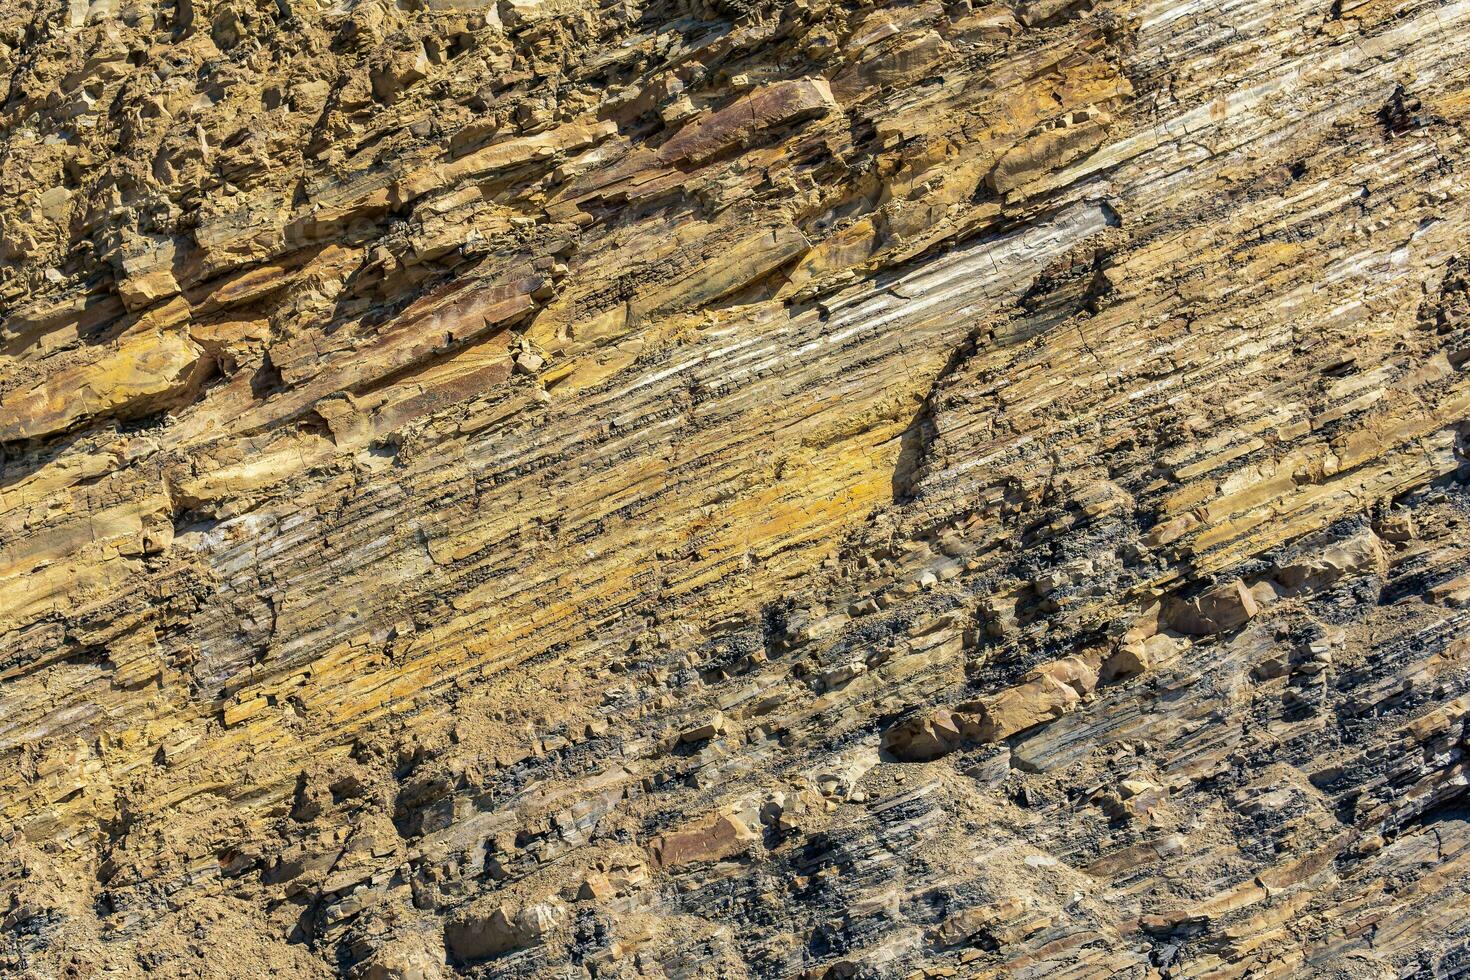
x=734 y=488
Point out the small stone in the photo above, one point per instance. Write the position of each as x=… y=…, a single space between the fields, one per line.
x=529 y=362
x=595 y=887
x=397 y=72
x=535 y=921
x=999 y=616
x=713 y=728
x=1049 y=582
x=1276 y=664
x=923 y=738
x=717 y=836
x=1047 y=693
x=1359 y=555
x=1133 y=787
x=772 y=808
x=1398 y=528
x=678 y=110
x=1225 y=607
x=1128 y=660
x=482 y=935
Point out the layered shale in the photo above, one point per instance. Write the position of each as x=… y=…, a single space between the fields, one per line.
x=734 y=488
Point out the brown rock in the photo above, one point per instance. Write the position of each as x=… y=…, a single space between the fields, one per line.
x=715 y=727
x=1130 y=659
x=1133 y=798
x=142 y=374
x=711 y=839
x=148 y=278
x=1040 y=12
x=1060 y=143
x=481 y=935
x=778 y=104
x=503 y=156
x=921 y=739
x=412 y=955
x=398 y=71
x=1047 y=693
x=432 y=405
x=595 y=887
x=1397 y=528
x=1225 y=607
x=1361 y=554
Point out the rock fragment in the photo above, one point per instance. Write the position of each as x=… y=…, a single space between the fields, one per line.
x=1359 y=555
x=778 y=104
x=1217 y=610
x=714 y=838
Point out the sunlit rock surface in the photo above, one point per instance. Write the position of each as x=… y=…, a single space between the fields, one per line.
x=730 y=488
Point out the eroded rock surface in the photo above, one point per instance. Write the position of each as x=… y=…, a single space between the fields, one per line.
x=724 y=488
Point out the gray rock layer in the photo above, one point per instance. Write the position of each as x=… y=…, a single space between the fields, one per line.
x=725 y=488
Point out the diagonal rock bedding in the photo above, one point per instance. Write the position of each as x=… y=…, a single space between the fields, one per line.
x=734 y=488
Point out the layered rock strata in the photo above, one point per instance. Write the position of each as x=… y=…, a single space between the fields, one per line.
x=543 y=488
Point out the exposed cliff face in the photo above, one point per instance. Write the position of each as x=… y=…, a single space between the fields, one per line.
x=745 y=489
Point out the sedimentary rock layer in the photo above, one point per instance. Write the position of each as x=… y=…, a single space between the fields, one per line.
x=734 y=489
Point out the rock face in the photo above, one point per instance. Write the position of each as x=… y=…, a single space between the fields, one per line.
x=719 y=488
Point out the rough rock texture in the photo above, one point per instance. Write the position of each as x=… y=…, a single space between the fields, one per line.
x=726 y=488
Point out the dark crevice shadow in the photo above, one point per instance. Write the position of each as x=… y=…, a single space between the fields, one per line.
x=918 y=437
x=1065 y=291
